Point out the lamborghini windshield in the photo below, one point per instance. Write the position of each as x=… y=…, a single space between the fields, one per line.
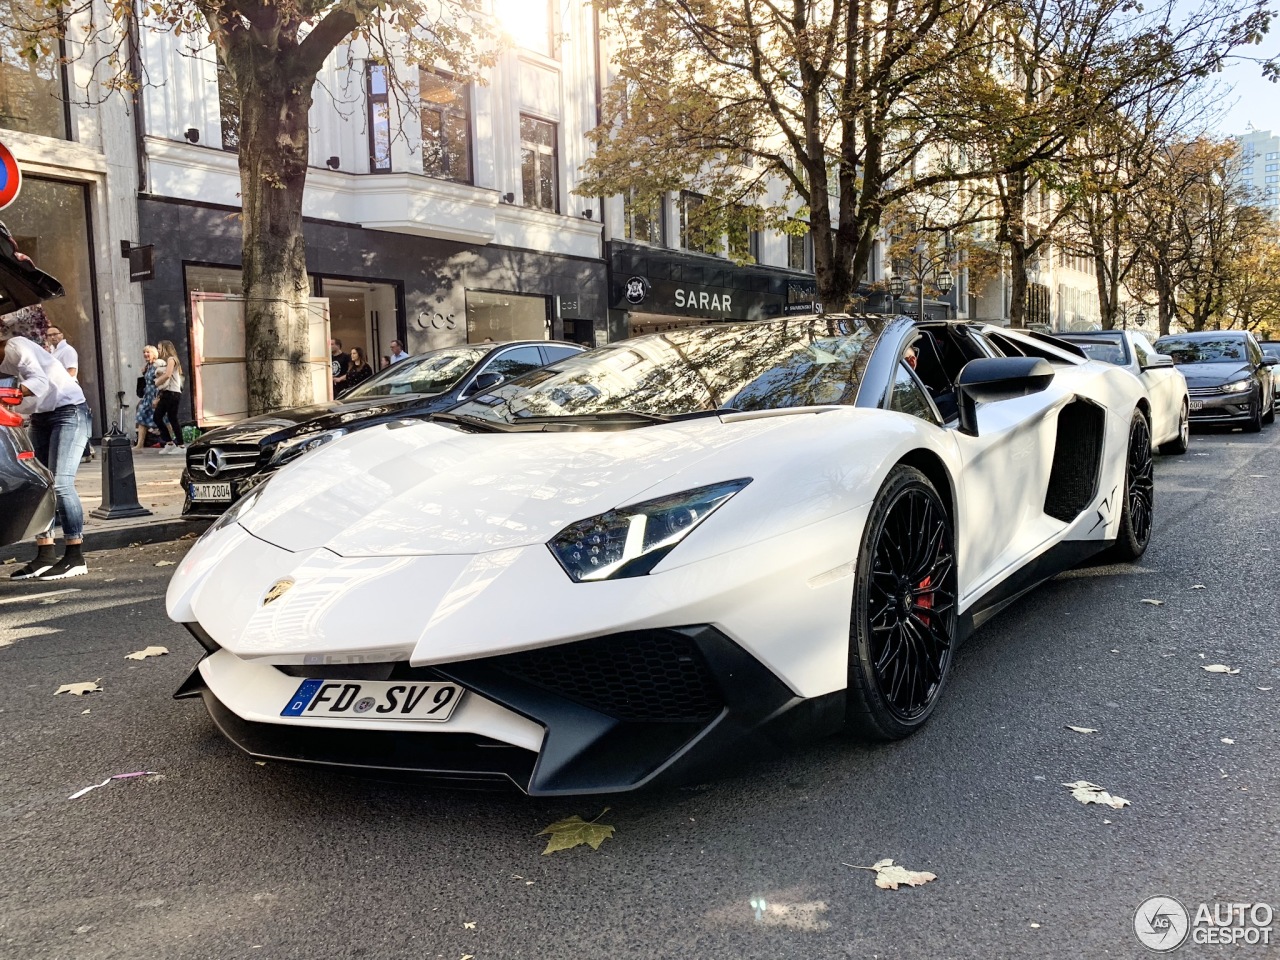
x=748 y=366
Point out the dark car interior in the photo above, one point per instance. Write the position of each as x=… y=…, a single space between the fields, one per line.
x=941 y=353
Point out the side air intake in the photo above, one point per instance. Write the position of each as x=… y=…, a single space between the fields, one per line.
x=1077 y=455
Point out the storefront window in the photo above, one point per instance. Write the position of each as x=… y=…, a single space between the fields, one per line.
x=505 y=316
x=50 y=222
x=32 y=96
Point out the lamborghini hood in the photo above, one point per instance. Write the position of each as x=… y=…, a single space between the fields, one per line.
x=424 y=489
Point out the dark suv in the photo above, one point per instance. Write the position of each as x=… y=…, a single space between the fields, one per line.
x=1229 y=379
x=226 y=463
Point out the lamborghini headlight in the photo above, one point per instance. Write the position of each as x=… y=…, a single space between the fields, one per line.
x=1237 y=386
x=629 y=541
x=295 y=447
x=236 y=510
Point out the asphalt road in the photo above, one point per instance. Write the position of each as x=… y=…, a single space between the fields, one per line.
x=218 y=857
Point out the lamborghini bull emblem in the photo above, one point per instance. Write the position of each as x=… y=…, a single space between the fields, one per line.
x=277 y=590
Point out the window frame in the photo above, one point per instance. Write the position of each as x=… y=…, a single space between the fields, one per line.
x=629 y=217
x=540 y=151
x=373 y=100
x=714 y=246
x=460 y=108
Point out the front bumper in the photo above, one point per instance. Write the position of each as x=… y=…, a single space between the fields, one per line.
x=602 y=715
x=1222 y=407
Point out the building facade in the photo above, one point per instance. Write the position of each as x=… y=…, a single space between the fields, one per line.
x=1259 y=159
x=76 y=150
x=446 y=220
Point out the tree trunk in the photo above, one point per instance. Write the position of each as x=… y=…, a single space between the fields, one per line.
x=1017 y=283
x=274 y=139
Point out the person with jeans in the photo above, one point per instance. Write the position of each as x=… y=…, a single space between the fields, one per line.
x=169 y=386
x=59 y=428
x=66 y=355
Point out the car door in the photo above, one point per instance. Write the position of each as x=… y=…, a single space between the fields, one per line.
x=1262 y=374
x=1166 y=387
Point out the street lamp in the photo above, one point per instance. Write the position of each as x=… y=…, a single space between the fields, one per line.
x=919 y=269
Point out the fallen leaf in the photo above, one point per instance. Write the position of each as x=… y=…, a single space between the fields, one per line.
x=574 y=831
x=1227 y=740
x=1221 y=668
x=1081 y=729
x=1166 y=656
x=80 y=689
x=1087 y=792
x=1197 y=586
x=890 y=877
x=51 y=600
x=1265 y=689
x=147 y=652
x=165 y=563
x=468 y=956
x=1154 y=603
x=1035 y=926
x=84 y=711
x=468 y=926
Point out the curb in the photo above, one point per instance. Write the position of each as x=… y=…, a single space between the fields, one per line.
x=157 y=531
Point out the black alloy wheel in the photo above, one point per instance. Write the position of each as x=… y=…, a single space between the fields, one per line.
x=1254 y=423
x=1270 y=415
x=903 y=627
x=1139 y=500
x=1180 y=443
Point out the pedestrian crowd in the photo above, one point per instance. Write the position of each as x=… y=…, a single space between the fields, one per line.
x=349 y=370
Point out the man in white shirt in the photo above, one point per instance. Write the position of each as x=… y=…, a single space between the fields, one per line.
x=62 y=351
x=66 y=355
x=59 y=428
x=397 y=352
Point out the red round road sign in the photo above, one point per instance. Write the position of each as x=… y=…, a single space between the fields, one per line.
x=10 y=177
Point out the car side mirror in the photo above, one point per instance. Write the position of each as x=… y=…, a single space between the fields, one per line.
x=485 y=381
x=1270 y=361
x=1156 y=360
x=998 y=378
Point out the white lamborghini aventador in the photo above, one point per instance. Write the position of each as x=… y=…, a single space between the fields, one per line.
x=670 y=550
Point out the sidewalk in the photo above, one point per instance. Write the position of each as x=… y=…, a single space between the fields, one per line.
x=158 y=491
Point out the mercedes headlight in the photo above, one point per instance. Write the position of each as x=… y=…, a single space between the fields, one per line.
x=295 y=447
x=1237 y=386
x=629 y=541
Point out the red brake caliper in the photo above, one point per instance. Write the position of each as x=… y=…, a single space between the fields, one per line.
x=925 y=600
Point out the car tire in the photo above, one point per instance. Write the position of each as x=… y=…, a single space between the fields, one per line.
x=1270 y=415
x=1180 y=443
x=1254 y=423
x=903 y=625
x=1136 y=515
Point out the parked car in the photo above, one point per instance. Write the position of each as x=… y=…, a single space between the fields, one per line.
x=1164 y=383
x=663 y=552
x=1271 y=348
x=225 y=464
x=26 y=487
x=1229 y=380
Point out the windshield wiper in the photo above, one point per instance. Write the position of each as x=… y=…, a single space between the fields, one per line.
x=475 y=423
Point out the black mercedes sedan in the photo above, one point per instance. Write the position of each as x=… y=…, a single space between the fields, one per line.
x=225 y=464
x=1229 y=379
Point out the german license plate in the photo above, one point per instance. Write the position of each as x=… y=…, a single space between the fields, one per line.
x=373 y=700
x=1197 y=404
x=211 y=491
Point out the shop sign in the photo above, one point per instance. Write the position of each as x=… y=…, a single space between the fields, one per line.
x=802 y=297
x=142 y=264
x=636 y=290
x=10 y=177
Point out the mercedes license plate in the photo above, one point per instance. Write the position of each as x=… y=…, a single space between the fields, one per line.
x=211 y=491
x=373 y=700
x=1197 y=404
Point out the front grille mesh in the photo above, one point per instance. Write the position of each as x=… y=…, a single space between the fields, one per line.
x=647 y=676
x=1204 y=391
x=237 y=461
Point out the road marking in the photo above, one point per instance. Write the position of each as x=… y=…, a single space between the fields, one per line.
x=38 y=596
